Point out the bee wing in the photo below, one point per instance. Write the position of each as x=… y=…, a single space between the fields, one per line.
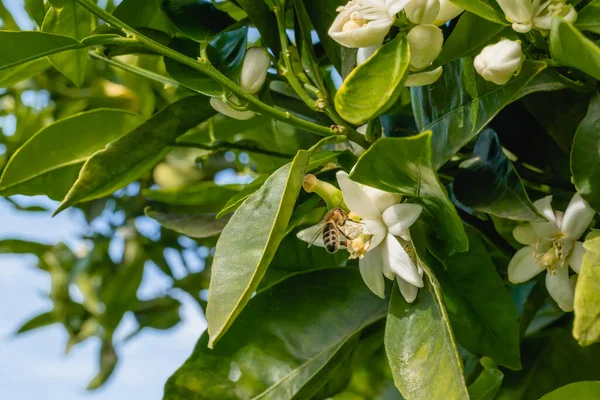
x=311 y=235
x=318 y=232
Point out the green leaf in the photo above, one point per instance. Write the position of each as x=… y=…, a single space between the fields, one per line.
x=588 y=18
x=192 y=225
x=579 y=391
x=74 y=21
x=19 y=73
x=279 y=345
x=468 y=37
x=479 y=305
x=550 y=361
x=237 y=199
x=374 y=86
x=322 y=13
x=460 y=104
x=487 y=383
x=227 y=51
x=197 y=19
x=17 y=48
x=144 y=14
x=108 y=362
x=569 y=47
x=265 y=22
x=36 y=10
x=39 y=321
x=405 y=166
x=248 y=243
x=488 y=182
x=488 y=9
x=134 y=153
x=585 y=155
x=305 y=43
x=206 y=197
x=18 y=246
x=160 y=313
x=421 y=349
x=586 y=328
x=49 y=161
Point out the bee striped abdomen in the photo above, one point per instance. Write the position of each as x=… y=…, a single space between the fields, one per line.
x=331 y=237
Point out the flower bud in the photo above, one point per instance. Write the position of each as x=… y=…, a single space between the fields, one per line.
x=448 y=11
x=229 y=111
x=423 y=78
x=499 y=62
x=519 y=12
x=254 y=69
x=425 y=42
x=555 y=8
x=332 y=195
x=422 y=11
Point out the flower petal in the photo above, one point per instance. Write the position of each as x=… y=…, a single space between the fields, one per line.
x=399 y=261
x=376 y=228
x=356 y=199
x=370 y=34
x=381 y=198
x=409 y=292
x=561 y=288
x=309 y=234
x=577 y=218
x=524 y=234
x=399 y=217
x=576 y=258
x=545 y=229
x=395 y=6
x=362 y=55
x=370 y=267
x=423 y=78
x=523 y=266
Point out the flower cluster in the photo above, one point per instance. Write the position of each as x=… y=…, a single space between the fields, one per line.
x=363 y=24
x=378 y=235
x=253 y=75
x=553 y=247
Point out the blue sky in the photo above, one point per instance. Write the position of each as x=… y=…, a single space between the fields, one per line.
x=33 y=365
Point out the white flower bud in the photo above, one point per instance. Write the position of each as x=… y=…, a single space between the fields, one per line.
x=422 y=11
x=448 y=11
x=499 y=62
x=423 y=78
x=228 y=111
x=364 y=23
x=425 y=42
x=254 y=69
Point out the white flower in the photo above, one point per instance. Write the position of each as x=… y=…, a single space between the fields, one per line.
x=364 y=23
x=382 y=219
x=448 y=11
x=499 y=62
x=254 y=69
x=553 y=246
x=423 y=78
x=422 y=11
x=229 y=111
x=425 y=42
x=527 y=14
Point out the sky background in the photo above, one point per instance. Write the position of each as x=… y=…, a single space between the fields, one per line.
x=33 y=365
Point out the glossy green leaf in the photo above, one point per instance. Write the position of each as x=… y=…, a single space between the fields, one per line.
x=19 y=73
x=305 y=44
x=374 y=86
x=248 y=243
x=49 y=161
x=144 y=14
x=206 y=197
x=20 y=47
x=468 y=37
x=39 y=321
x=18 y=246
x=579 y=391
x=36 y=10
x=134 y=153
x=488 y=182
x=74 y=21
x=569 y=47
x=108 y=362
x=461 y=104
x=421 y=349
x=192 y=225
x=405 y=166
x=585 y=155
x=197 y=19
x=237 y=199
x=227 y=51
x=488 y=9
x=588 y=18
x=586 y=328
x=550 y=361
x=487 y=383
x=265 y=22
x=480 y=307
x=322 y=13
x=278 y=345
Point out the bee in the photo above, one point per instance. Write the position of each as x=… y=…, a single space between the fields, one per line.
x=332 y=230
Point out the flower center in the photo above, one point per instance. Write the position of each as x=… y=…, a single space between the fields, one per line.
x=359 y=246
x=361 y=12
x=552 y=257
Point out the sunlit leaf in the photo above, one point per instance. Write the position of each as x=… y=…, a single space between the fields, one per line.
x=579 y=391
x=569 y=47
x=586 y=327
